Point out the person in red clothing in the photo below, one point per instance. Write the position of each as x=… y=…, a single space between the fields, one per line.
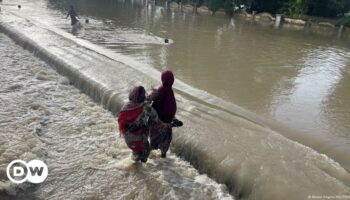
x=164 y=103
x=134 y=120
x=163 y=98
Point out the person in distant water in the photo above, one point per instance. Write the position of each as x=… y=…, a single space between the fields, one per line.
x=164 y=103
x=73 y=16
x=134 y=121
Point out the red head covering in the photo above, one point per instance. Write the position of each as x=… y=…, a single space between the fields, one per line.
x=133 y=109
x=167 y=79
x=165 y=103
x=137 y=95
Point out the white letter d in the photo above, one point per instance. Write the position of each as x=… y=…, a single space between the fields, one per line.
x=18 y=171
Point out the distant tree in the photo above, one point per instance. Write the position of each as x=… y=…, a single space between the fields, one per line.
x=229 y=6
x=327 y=8
x=323 y=8
x=271 y=6
x=214 y=5
x=300 y=6
x=294 y=7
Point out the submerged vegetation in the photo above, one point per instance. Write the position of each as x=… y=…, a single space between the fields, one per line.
x=345 y=21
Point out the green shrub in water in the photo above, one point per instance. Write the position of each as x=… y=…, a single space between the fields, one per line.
x=344 y=21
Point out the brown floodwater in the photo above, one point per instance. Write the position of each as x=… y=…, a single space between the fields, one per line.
x=293 y=76
x=261 y=83
x=290 y=75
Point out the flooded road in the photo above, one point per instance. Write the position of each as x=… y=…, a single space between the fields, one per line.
x=43 y=117
x=297 y=79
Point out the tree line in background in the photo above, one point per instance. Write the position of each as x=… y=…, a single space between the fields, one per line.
x=293 y=8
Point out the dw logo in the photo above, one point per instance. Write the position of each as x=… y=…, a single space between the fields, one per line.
x=35 y=171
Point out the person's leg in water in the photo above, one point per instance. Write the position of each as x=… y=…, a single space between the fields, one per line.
x=155 y=136
x=166 y=140
x=160 y=137
x=139 y=145
x=145 y=151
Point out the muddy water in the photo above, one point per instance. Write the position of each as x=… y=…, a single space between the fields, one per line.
x=292 y=76
x=43 y=116
x=295 y=77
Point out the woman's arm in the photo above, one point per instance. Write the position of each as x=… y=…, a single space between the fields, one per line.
x=153 y=96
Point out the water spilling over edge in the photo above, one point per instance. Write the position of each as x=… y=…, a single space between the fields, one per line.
x=245 y=144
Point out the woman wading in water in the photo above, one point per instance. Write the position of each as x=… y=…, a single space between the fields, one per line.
x=73 y=17
x=164 y=103
x=135 y=119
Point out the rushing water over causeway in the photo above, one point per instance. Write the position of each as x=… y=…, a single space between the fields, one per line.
x=294 y=77
x=42 y=116
x=287 y=76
